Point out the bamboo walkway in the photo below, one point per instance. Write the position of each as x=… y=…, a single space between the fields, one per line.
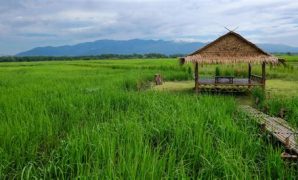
x=278 y=127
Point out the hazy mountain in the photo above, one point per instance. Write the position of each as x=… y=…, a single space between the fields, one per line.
x=278 y=48
x=134 y=46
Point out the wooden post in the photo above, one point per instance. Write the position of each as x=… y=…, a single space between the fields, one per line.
x=288 y=156
x=264 y=74
x=287 y=142
x=263 y=128
x=249 y=75
x=158 y=79
x=197 y=77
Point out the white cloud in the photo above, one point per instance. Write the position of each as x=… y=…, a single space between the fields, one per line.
x=30 y=23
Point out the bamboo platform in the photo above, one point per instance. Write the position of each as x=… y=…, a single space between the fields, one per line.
x=223 y=82
x=225 y=85
x=279 y=128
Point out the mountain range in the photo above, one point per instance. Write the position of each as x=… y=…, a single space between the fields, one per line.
x=137 y=46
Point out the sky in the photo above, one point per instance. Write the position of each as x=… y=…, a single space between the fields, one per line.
x=25 y=24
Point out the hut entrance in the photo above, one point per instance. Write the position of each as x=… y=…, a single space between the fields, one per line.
x=230 y=48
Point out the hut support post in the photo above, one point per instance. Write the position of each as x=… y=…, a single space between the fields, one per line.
x=197 y=77
x=249 y=74
x=264 y=74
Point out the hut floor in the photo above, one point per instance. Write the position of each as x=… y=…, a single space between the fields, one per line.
x=242 y=82
x=225 y=85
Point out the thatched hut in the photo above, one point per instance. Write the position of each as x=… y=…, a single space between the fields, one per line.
x=229 y=49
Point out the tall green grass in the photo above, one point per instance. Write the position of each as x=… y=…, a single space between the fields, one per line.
x=96 y=120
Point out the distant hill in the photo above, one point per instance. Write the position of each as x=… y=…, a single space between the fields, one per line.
x=137 y=46
x=278 y=48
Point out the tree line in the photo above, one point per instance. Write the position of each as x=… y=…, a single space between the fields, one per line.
x=95 y=57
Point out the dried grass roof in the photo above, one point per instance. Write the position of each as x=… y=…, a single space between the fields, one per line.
x=230 y=48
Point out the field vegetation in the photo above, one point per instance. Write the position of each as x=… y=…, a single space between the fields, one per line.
x=100 y=119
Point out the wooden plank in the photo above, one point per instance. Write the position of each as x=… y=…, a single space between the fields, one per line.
x=278 y=127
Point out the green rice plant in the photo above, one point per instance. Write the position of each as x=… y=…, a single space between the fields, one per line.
x=217 y=71
x=285 y=108
x=259 y=96
x=228 y=72
x=189 y=71
x=96 y=120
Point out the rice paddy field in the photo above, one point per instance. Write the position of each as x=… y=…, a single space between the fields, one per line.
x=104 y=120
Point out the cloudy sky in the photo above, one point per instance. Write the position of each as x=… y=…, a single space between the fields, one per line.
x=25 y=24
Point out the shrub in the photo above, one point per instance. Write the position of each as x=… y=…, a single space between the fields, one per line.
x=189 y=70
x=229 y=72
x=217 y=71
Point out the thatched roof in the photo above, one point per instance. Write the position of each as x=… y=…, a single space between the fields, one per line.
x=230 y=48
